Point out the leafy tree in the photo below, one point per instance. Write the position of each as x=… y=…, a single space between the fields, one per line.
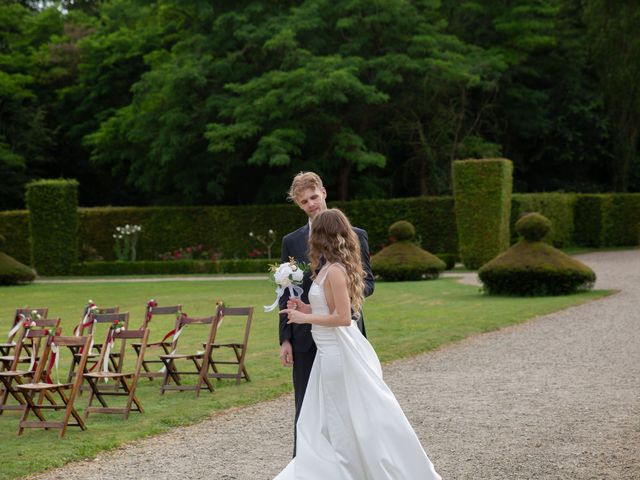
x=24 y=133
x=615 y=46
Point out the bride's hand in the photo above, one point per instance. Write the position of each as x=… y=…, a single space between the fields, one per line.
x=297 y=304
x=294 y=316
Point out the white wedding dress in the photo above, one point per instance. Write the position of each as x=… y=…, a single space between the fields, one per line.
x=351 y=426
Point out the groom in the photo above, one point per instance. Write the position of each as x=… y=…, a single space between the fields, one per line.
x=297 y=348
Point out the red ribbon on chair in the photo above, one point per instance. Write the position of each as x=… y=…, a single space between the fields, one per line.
x=150 y=304
x=53 y=360
x=17 y=323
x=86 y=319
x=173 y=332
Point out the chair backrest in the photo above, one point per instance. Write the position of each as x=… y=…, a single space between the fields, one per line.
x=24 y=313
x=74 y=344
x=122 y=335
x=246 y=312
x=86 y=325
x=37 y=336
x=110 y=319
x=152 y=310
x=184 y=321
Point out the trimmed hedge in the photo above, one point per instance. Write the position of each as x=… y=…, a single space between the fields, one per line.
x=621 y=219
x=432 y=217
x=587 y=219
x=53 y=225
x=224 y=228
x=607 y=220
x=483 y=205
x=172 y=267
x=557 y=207
x=14 y=227
x=227 y=228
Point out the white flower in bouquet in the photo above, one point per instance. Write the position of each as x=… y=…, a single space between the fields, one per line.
x=289 y=276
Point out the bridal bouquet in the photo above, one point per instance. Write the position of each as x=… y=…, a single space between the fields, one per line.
x=289 y=276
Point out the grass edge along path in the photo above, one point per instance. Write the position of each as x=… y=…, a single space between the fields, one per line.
x=403 y=320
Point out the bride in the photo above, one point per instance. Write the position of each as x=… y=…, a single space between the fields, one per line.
x=351 y=426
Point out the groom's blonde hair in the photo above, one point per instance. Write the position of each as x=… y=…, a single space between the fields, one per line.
x=304 y=181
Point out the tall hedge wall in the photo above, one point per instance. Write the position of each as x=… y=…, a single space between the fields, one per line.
x=433 y=218
x=557 y=207
x=483 y=208
x=53 y=225
x=607 y=220
x=224 y=228
x=597 y=218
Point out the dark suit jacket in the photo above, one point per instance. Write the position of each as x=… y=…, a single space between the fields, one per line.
x=296 y=245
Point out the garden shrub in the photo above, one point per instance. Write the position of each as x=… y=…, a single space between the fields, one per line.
x=14 y=227
x=533 y=267
x=404 y=260
x=174 y=267
x=557 y=207
x=53 y=225
x=13 y=272
x=482 y=206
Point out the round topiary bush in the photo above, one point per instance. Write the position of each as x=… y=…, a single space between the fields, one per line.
x=404 y=260
x=533 y=227
x=13 y=272
x=533 y=267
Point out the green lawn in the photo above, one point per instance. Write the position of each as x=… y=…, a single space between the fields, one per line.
x=403 y=319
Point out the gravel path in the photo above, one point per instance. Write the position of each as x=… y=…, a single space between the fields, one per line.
x=555 y=398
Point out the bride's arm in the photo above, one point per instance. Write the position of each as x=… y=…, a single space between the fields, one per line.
x=335 y=288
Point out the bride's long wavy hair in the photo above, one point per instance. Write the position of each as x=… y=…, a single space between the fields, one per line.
x=332 y=237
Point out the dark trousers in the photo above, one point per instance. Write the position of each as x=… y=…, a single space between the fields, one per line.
x=302 y=363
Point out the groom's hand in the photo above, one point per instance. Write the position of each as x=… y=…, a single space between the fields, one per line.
x=286 y=354
x=297 y=304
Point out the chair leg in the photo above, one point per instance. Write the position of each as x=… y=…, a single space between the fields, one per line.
x=25 y=414
x=70 y=411
x=131 y=398
x=202 y=377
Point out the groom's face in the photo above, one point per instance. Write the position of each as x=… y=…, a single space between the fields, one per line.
x=312 y=201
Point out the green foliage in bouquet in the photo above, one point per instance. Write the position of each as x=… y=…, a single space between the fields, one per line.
x=533 y=267
x=404 y=260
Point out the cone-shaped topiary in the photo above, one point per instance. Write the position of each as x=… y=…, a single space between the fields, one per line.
x=533 y=267
x=403 y=259
x=13 y=272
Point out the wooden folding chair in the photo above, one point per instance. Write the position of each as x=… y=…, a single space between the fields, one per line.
x=14 y=377
x=153 y=310
x=239 y=348
x=96 y=319
x=39 y=389
x=21 y=314
x=200 y=360
x=92 y=317
x=126 y=383
x=26 y=355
